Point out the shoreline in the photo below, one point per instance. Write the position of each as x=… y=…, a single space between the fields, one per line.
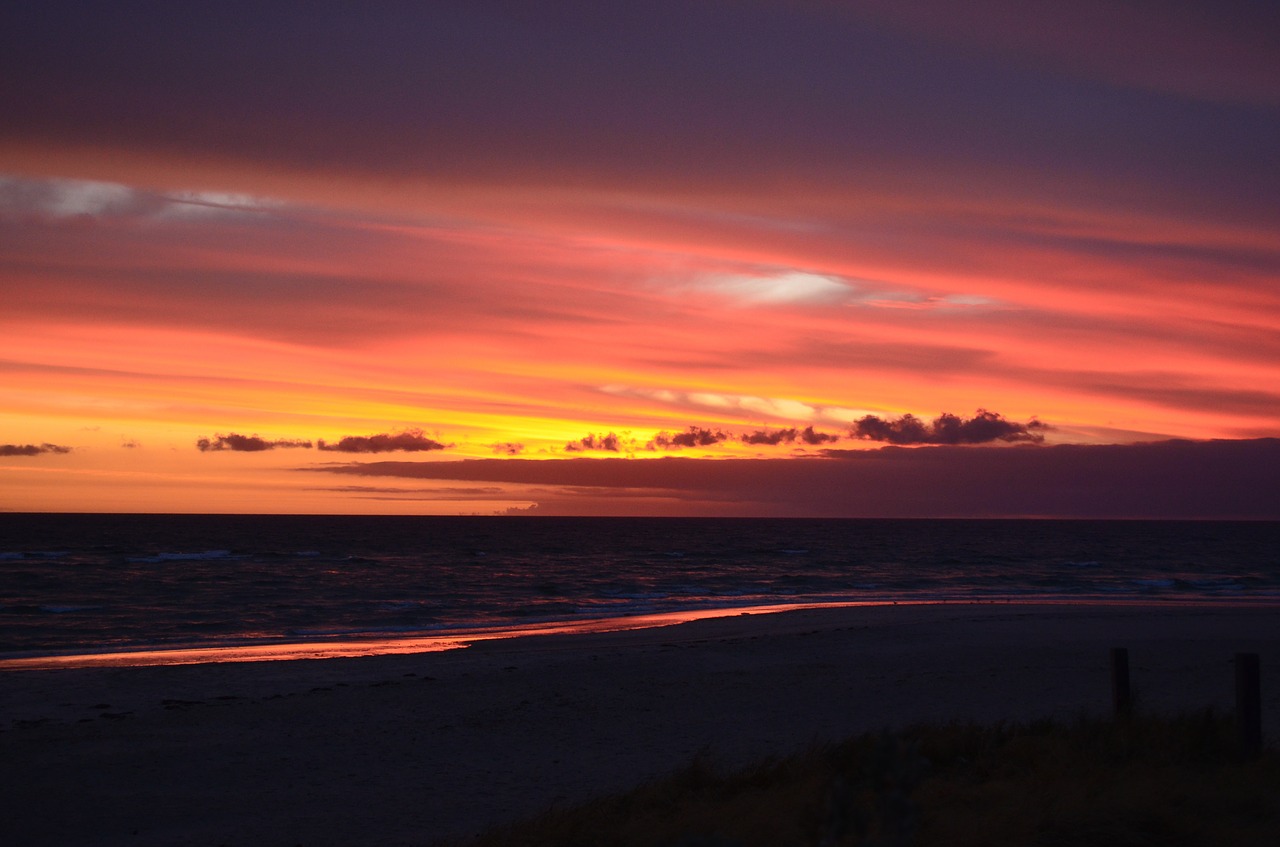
x=458 y=638
x=404 y=749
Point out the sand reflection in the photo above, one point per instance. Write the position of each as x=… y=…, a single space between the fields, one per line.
x=288 y=651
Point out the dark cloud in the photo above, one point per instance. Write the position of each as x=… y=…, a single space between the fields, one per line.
x=789 y=436
x=808 y=436
x=907 y=429
x=31 y=449
x=611 y=443
x=983 y=428
x=409 y=441
x=1159 y=480
x=246 y=443
x=693 y=437
x=509 y=448
x=770 y=437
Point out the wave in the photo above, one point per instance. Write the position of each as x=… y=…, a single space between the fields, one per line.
x=204 y=556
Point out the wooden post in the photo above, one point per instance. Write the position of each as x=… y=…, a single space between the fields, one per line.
x=1121 y=694
x=1248 y=703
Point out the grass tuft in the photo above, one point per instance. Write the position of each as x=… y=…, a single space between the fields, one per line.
x=1169 y=781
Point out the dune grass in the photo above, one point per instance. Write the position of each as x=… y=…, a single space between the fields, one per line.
x=1147 y=781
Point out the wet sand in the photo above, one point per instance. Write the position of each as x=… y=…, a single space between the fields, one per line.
x=404 y=749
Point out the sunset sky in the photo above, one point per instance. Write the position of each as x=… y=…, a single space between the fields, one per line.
x=687 y=258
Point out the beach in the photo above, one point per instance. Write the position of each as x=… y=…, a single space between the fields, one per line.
x=406 y=749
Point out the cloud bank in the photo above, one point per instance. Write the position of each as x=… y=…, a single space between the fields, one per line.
x=1160 y=480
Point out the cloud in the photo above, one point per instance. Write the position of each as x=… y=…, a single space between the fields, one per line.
x=31 y=449
x=747 y=405
x=780 y=287
x=808 y=436
x=80 y=200
x=789 y=436
x=611 y=443
x=983 y=428
x=770 y=438
x=246 y=443
x=507 y=448
x=693 y=437
x=67 y=198
x=788 y=286
x=409 y=441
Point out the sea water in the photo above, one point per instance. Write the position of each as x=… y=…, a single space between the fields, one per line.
x=91 y=583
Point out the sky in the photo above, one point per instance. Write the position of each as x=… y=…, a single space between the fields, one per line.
x=910 y=259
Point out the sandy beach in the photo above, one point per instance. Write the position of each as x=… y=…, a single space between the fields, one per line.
x=405 y=749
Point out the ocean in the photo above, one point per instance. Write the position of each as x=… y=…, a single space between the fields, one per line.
x=89 y=584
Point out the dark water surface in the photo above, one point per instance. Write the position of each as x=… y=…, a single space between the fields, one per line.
x=76 y=583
